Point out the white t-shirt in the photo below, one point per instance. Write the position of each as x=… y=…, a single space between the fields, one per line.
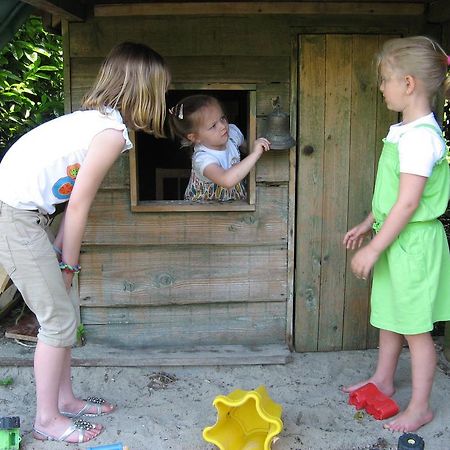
x=419 y=147
x=39 y=170
x=204 y=156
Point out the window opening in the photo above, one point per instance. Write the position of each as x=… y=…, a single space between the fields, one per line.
x=163 y=168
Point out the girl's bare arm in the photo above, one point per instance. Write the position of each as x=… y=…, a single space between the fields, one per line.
x=103 y=151
x=232 y=176
x=410 y=193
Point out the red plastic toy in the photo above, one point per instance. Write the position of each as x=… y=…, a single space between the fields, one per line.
x=377 y=404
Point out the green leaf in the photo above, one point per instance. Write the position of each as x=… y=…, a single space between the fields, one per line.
x=6 y=381
x=31 y=80
x=49 y=68
x=44 y=76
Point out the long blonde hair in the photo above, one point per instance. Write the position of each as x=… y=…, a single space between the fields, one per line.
x=421 y=57
x=132 y=79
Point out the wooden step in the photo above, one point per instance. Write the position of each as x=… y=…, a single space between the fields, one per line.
x=94 y=355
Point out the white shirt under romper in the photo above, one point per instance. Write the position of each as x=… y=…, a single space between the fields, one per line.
x=419 y=148
x=39 y=170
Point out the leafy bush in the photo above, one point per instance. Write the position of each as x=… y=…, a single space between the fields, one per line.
x=445 y=219
x=31 y=81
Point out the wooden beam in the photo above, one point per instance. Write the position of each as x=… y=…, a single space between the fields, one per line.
x=8 y=298
x=238 y=8
x=438 y=11
x=98 y=355
x=67 y=9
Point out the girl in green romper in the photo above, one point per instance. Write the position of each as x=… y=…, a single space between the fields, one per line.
x=409 y=253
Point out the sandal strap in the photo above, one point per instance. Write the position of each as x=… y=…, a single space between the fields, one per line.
x=79 y=425
x=88 y=405
x=96 y=400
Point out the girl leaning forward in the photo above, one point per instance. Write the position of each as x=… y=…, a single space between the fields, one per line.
x=64 y=161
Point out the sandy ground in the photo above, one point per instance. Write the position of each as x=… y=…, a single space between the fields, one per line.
x=167 y=408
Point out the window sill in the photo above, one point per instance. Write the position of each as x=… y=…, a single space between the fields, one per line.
x=185 y=206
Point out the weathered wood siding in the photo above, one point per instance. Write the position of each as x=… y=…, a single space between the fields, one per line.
x=343 y=117
x=181 y=279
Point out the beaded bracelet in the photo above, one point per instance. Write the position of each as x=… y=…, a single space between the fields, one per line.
x=69 y=268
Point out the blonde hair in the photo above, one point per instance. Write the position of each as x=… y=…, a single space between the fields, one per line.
x=187 y=115
x=132 y=79
x=420 y=57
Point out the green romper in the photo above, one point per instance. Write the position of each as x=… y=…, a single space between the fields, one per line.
x=411 y=279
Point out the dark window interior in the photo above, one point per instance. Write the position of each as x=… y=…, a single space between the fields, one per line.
x=163 y=168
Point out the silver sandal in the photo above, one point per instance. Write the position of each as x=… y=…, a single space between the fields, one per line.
x=78 y=425
x=91 y=402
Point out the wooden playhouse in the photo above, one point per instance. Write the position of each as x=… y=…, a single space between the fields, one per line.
x=263 y=275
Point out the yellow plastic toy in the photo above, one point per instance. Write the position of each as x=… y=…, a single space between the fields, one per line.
x=246 y=420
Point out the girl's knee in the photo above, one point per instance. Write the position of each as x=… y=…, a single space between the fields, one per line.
x=59 y=336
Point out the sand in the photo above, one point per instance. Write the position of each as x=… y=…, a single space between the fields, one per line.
x=161 y=408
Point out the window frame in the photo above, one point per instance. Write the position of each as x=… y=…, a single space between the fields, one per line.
x=184 y=205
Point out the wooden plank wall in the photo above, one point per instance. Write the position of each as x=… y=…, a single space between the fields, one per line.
x=182 y=279
x=332 y=306
x=179 y=279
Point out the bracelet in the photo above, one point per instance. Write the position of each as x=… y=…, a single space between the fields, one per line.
x=69 y=268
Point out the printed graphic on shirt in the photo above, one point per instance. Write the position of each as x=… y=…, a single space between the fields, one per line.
x=63 y=187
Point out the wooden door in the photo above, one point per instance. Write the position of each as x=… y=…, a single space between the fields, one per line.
x=341 y=121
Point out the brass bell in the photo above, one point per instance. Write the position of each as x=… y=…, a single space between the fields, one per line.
x=278 y=133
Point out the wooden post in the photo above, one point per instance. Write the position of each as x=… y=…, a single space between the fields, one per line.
x=447 y=341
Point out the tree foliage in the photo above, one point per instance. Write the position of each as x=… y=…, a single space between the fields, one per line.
x=31 y=81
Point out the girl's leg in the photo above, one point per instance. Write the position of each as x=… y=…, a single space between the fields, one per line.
x=388 y=354
x=49 y=363
x=67 y=401
x=423 y=365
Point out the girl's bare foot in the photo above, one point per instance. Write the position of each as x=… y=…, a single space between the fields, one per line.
x=386 y=389
x=410 y=420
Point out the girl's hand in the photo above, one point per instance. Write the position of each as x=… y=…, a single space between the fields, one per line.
x=68 y=278
x=363 y=261
x=261 y=145
x=354 y=238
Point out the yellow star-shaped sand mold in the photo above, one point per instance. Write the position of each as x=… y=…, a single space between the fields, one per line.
x=246 y=420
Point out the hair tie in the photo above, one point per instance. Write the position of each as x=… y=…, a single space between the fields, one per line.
x=448 y=60
x=173 y=111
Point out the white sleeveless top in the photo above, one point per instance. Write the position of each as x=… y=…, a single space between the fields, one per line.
x=40 y=169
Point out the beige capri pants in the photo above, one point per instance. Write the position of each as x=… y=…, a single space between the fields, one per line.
x=27 y=255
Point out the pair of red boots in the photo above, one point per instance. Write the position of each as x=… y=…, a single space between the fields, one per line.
x=377 y=404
